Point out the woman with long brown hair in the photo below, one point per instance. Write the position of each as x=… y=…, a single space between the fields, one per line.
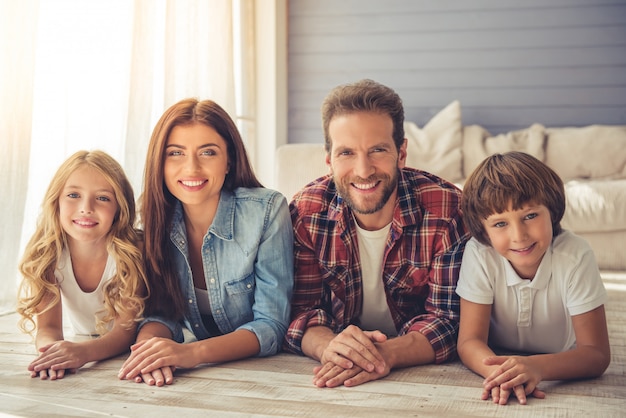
x=218 y=249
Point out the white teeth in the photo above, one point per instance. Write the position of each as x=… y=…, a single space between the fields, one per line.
x=192 y=183
x=364 y=186
x=85 y=223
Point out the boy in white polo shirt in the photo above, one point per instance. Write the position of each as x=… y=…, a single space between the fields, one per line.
x=525 y=284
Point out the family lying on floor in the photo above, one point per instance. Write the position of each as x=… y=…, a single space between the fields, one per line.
x=374 y=267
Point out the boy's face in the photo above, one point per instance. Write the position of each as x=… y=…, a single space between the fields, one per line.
x=521 y=236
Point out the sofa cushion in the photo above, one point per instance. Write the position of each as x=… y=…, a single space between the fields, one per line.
x=595 y=205
x=590 y=152
x=608 y=247
x=478 y=144
x=297 y=165
x=436 y=147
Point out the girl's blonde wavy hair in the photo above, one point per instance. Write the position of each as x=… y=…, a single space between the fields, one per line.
x=125 y=293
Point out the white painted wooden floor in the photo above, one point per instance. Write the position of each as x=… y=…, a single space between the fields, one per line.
x=281 y=386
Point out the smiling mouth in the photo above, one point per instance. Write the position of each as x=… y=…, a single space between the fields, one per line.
x=365 y=186
x=523 y=250
x=192 y=183
x=82 y=222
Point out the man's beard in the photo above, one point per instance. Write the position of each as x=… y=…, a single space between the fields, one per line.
x=369 y=206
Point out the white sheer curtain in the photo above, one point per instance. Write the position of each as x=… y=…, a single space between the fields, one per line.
x=78 y=74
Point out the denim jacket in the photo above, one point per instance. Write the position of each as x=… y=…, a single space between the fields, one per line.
x=247 y=255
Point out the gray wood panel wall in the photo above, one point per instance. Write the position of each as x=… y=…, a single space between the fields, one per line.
x=510 y=63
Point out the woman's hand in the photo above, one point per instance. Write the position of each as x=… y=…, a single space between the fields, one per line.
x=155 y=359
x=158 y=377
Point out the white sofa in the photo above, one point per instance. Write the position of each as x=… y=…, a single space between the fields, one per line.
x=591 y=161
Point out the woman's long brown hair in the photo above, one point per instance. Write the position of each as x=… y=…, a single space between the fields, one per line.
x=158 y=204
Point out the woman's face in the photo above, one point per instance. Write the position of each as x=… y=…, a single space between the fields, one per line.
x=196 y=164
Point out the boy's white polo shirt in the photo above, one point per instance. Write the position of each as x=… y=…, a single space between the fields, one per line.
x=533 y=316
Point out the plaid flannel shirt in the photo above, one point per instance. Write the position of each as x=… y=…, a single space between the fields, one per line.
x=420 y=266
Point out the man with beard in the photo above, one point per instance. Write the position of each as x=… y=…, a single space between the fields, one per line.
x=378 y=248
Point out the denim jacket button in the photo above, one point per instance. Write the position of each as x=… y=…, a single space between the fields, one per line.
x=212 y=280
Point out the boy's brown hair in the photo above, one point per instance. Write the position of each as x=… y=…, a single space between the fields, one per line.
x=510 y=181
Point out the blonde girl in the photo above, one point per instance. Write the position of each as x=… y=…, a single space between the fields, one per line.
x=83 y=261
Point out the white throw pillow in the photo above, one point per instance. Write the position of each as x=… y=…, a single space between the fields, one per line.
x=595 y=205
x=480 y=145
x=530 y=141
x=590 y=152
x=473 y=147
x=436 y=148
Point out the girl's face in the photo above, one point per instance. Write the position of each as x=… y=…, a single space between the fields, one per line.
x=521 y=236
x=87 y=206
x=196 y=164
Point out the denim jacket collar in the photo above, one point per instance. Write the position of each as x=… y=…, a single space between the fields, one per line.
x=223 y=225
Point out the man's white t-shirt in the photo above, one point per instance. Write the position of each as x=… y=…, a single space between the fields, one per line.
x=375 y=314
x=81 y=307
x=533 y=316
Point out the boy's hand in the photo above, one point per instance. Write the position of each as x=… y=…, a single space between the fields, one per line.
x=515 y=374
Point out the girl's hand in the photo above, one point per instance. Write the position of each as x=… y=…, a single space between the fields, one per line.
x=57 y=359
x=52 y=374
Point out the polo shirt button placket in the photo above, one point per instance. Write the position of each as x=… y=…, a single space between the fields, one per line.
x=525 y=301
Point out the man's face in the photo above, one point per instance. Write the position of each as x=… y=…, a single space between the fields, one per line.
x=365 y=165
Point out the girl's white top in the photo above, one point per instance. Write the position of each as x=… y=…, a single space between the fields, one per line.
x=78 y=306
